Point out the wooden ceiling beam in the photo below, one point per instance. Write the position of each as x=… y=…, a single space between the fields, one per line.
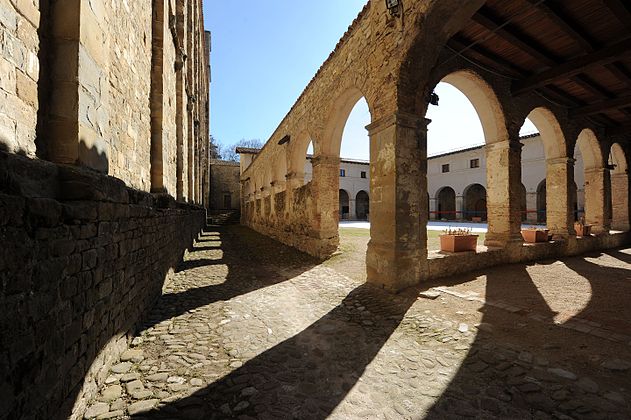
x=573 y=67
x=554 y=14
x=619 y=130
x=620 y=11
x=592 y=86
x=459 y=44
x=601 y=106
x=485 y=18
x=620 y=72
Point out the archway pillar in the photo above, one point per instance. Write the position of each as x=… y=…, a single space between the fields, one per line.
x=620 y=201
x=596 y=200
x=531 y=207
x=559 y=201
x=294 y=180
x=325 y=184
x=459 y=207
x=397 y=251
x=503 y=162
x=433 y=208
x=352 y=208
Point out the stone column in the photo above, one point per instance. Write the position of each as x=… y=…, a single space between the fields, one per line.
x=531 y=207
x=595 y=200
x=294 y=180
x=352 y=209
x=325 y=189
x=459 y=207
x=433 y=206
x=559 y=203
x=397 y=251
x=620 y=201
x=503 y=162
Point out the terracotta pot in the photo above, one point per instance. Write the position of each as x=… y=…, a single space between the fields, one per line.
x=534 y=235
x=458 y=243
x=582 y=230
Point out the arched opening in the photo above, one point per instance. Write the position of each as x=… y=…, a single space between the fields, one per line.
x=362 y=205
x=475 y=203
x=541 y=202
x=446 y=204
x=308 y=167
x=618 y=197
x=344 y=205
x=594 y=181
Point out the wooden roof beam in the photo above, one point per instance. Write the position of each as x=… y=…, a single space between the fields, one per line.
x=555 y=15
x=601 y=106
x=460 y=44
x=573 y=67
x=485 y=18
x=621 y=73
x=620 y=11
x=619 y=130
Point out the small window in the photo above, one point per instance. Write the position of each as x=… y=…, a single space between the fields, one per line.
x=342 y=172
x=363 y=174
x=474 y=163
x=446 y=168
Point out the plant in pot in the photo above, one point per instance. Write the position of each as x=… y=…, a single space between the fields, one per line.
x=582 y=228
x=458 y=240
x=533 y=235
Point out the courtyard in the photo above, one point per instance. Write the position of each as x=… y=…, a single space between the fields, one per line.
x=288 y=336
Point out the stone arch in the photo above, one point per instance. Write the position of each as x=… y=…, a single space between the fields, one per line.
x=588 y=145
x=550 y=132
x=618 y=199
x=340 y=110
x=485 y=102
x=596 y=184
x=344 y=204
x=362 y=205
x=297 y=153
x=446 y=203
x=475 y=202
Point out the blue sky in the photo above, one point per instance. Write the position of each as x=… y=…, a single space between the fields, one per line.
x=265 y=52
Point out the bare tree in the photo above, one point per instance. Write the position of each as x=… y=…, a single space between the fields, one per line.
x=230 y=153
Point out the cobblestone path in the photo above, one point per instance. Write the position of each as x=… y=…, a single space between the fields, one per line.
x=252 y=329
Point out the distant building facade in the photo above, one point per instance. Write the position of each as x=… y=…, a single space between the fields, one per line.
x=225 y=188
x=456 y=183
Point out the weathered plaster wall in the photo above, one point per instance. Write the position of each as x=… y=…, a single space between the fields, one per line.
x=224 y=180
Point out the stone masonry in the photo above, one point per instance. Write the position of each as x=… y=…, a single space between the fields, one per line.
x=104 y=180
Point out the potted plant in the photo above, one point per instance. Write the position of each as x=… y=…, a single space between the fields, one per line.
x=533 y=235
x=458 y=240
x=582 y=228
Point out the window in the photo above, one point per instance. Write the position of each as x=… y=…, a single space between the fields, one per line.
x=474 y=163
x=363 y=174
x=342 y=172
x=445 y=168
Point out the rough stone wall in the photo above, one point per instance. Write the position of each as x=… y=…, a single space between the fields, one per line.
x=90 y=106
x=129 y=24
x=224 y=179
x=83 y=258
x=19 y=75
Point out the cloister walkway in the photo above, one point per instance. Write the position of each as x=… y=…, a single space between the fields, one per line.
x=250 y=328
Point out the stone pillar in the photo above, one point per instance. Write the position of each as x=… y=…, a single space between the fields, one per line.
x=459 y=207
x=294 y=181
x=397 y=251
x=531 y=207
x=503 y=162
x=352 y=209
x=595 y=200
x=156 y=97
x=326 y=186
x=559 y=202
x=620 y=201
x=433 y=207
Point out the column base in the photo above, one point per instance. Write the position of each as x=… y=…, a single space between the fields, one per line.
x=395 y=269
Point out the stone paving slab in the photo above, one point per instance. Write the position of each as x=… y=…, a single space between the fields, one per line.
x=252 y=329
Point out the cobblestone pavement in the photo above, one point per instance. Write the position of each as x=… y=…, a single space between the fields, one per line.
x=252 y=329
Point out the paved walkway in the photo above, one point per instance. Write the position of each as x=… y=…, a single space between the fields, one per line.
x=252 y=329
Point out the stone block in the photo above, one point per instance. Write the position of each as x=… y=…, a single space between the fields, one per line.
x=27 y=89
x=43 y=212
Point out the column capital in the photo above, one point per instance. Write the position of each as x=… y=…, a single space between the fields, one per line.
x=506 y=144
x=403 y=119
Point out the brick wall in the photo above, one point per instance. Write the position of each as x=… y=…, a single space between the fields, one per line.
x=83 y=258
